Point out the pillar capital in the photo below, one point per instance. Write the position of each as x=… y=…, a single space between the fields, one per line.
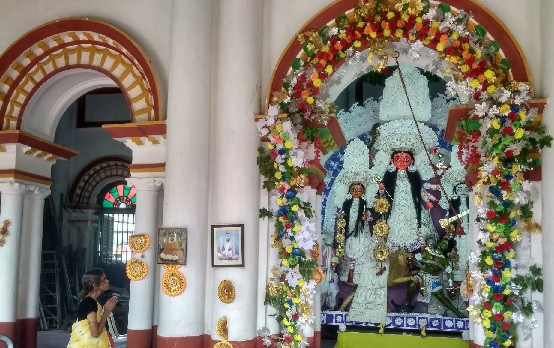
x=13 y=188
x=36 y=192
x=146 y=183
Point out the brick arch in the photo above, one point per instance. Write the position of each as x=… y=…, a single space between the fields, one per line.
x=94 y=174
x=481 y=15
x=76 y=43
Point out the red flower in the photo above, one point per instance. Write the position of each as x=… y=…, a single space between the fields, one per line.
x=470 y=60
x=509 y=301
x=315 y=91
x=495 y=278
x=288 y=225
x=288 y=339
x=491 y=214
x=449 y=50
x=476 y=95
x=503 y=219
x=498 y=297
x=506 y=326
x=295 y=316
x=495 y=172
x=509 y=153
x=507 y=131
x=513 y=116
x=487 y=305
x=497 y=264
x=498 y=317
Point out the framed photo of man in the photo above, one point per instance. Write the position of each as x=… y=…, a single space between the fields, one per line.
x=227 y=245
x=172 y=245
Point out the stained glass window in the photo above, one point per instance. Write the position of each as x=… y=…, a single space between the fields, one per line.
x=120 y=196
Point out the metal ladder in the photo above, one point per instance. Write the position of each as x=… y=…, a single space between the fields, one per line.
x=50 y=305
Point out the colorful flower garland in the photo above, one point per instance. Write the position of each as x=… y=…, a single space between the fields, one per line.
x=498 y=142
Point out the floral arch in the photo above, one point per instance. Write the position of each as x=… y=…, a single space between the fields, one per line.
x=76 y=43
x=500 y=138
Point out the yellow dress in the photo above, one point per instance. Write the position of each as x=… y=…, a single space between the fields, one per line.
x=81 y=337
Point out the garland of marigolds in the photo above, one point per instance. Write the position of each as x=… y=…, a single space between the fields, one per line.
x=499 y=141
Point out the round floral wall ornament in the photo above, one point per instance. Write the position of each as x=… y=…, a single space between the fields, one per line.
x=502 y=140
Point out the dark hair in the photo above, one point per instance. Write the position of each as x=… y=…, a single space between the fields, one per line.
x=90 y=278
x=416 y=184
x=359 y=226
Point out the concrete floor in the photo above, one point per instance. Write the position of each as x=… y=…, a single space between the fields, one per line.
x=59 y=339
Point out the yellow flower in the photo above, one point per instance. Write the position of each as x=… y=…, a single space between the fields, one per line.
x=310 y=100
x=478 y=54
x=286 y=322
x=279 y=127
x=507 y=291
x=440 y=47
x=289 y=162
x=486 y=313
x=491 y=228
x=419 y=20
x=489 y=334
x=297 y=228
x=493 y=179
x=297 y=337
x=513 y=215
x=426 y=40
x=285 y=262
x=496 y=160
x=488 y=260
x=405 y=16
x=399 y=33
x=270 y=146
x=489 y=244
x=357 y=43
x=278 y=175
x=504 y=108
x=515 y=168
x=291 y=329
x=288 y=249
x=474 y=83
x=325 y=48
x=486 y=288
x=317 y=82
x=279 y=201
x=288 y=144
x=486 y=323
x=510 y=254
x=507 y=343
x=294 y=207
x=489 y=74
x=495 y=124
x=508 y=314
x=519 y=133
x=386 y=32
x=491 y=89
x=300 y=283
x=464 y=68
x=515 y=235
x=435 y=24
x=390 y=15
x=342 y=54
x=412 y=37
x=296 y=299
x=328 y=69
x=455 y=35
x=522 y=116
x=506 y=273
x=342 y=35
x=373 y=35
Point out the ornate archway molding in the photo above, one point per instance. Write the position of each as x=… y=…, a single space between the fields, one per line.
x=500 y=139
x=76 y=43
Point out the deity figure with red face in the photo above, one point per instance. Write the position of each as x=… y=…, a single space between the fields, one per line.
x=409 y=222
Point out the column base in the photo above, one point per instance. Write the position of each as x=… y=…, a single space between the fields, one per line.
x=172 y=342
x=474 y=345
x=139 y=338
x=8 y=330
x=26 y=332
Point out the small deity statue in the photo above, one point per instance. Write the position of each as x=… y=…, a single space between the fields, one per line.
x=402 y=271
x=432 y=262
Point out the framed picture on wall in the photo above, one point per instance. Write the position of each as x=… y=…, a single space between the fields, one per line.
x=172 y=245
x=227 y=245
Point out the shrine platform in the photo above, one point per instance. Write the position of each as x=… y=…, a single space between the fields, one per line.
x=368 y=340
x=403 y=321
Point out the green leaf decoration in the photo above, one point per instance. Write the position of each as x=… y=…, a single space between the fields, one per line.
x=504 y=65
x=444 y=7
x=480 y=31
x=495 y=47
x=297 y=63
x=307 y=49
x=322 y=32
x=265 y=213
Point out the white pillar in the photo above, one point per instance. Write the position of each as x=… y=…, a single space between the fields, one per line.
x=30 y=253
x=476 y=331
x=234 y=187
x=547 y=87
x=141 y=302
x=186 y=198
x=11 y=209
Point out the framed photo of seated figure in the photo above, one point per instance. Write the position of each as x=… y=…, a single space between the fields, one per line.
x=172 y=245
x=227 y=246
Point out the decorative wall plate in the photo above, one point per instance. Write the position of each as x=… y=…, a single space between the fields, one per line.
x=221 y=328
x=381 y=205
x=173 y=283
x=136 y=269
x=226 y=291
x=139 y=242
x=169 y=267
x=223 y=344
x=381 y=229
